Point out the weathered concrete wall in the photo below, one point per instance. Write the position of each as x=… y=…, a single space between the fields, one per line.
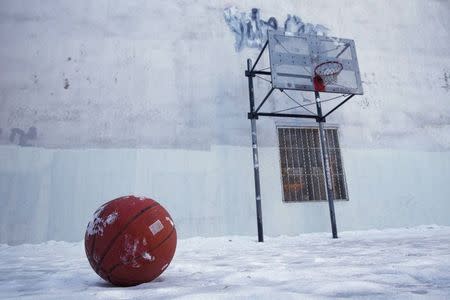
x=166 y=74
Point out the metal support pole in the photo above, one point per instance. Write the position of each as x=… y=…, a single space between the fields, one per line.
x=251 y=96
x=326 y=165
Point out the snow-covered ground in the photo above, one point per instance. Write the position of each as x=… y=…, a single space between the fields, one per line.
x=394 y=263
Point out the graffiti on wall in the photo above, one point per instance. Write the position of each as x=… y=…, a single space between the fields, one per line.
x=251 y=31
x=22 y=138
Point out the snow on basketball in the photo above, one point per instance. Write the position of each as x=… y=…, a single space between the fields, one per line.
x=130 y=240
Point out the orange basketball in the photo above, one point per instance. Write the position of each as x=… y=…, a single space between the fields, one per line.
x=131 y=240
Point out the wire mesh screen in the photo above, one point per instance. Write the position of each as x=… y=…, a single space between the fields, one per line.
x=301 y=164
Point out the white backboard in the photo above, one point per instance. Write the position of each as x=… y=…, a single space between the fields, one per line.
x=293 y=59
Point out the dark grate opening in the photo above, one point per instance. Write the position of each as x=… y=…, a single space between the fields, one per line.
x=301 y=164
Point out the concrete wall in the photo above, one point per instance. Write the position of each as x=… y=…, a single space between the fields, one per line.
x=149 y=98
x=51 y=194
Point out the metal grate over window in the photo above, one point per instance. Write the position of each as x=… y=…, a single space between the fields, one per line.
x=301 y=164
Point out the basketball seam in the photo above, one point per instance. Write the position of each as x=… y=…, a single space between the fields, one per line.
x=97 y=267
x=152 y=249
x=156 y=247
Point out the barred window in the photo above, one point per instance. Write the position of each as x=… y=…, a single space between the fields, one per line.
x=301 y=164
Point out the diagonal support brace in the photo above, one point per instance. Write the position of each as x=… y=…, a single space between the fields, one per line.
x=339 y=105
x=259 y=56
x=264 y=100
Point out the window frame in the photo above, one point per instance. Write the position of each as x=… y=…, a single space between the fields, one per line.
x=310 y=126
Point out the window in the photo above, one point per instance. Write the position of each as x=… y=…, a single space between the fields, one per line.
x=301 y=164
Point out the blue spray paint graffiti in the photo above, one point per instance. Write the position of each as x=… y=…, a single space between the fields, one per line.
x=251 y=31
x=294 y=24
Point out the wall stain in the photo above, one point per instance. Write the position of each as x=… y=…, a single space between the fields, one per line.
x=19 y=137
x=59 y=116
x=66 y=83
x=363 y=102
x=446 y=85
x=82 y=50
x=369 y=78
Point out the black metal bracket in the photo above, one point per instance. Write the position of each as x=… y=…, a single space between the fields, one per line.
x=252 y=116
x=262 y=114
x=255 y=114
x=249 y=73
x=254 y=73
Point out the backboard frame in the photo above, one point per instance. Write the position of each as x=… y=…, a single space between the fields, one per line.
x=293 y=59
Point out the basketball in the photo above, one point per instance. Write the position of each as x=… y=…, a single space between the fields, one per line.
x=130 y=240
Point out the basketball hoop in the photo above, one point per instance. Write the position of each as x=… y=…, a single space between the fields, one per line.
x=326 y=73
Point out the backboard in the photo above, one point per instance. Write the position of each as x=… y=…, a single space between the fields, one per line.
x=296 y=60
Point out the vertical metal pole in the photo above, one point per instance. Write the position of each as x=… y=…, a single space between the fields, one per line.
x=326 y=166
x=255 y=152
